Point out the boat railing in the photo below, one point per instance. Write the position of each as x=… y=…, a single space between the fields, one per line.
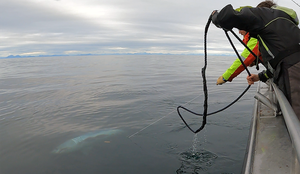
x=291 y=120
x=279 y=104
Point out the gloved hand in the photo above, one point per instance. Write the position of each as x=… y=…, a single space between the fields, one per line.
x=215 y=21
x=220 y=80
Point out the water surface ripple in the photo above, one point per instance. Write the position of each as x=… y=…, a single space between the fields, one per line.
x=47 y=101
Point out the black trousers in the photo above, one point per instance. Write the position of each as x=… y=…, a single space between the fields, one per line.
x=289 y=80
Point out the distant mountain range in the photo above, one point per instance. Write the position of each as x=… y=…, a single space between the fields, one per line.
x=18 y=56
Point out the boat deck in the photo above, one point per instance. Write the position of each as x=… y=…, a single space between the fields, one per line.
x=270 y=149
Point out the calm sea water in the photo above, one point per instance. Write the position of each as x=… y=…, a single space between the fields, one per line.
x=45 y=102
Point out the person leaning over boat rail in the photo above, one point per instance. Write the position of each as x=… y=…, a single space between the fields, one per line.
x=278 y=34
x=249 y=59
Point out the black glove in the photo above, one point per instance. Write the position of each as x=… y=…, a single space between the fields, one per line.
x=214 y=18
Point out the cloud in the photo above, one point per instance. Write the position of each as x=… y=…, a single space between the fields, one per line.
x=115 y=26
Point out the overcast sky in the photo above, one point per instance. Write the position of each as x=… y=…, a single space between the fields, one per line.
x=51 y=27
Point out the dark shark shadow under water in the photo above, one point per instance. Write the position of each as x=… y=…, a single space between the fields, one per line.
x=195 y=162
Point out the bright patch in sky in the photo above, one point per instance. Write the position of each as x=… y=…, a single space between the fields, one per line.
x=32 y=53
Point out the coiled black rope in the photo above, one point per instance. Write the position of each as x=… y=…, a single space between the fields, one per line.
x=205 y=114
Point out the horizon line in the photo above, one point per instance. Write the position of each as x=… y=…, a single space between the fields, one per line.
x=89 y=54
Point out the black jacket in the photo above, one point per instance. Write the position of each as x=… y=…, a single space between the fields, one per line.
x=276 y=31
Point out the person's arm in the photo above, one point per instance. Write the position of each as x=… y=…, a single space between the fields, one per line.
x=236 y=68
x=228 y=18
x=262 y=76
